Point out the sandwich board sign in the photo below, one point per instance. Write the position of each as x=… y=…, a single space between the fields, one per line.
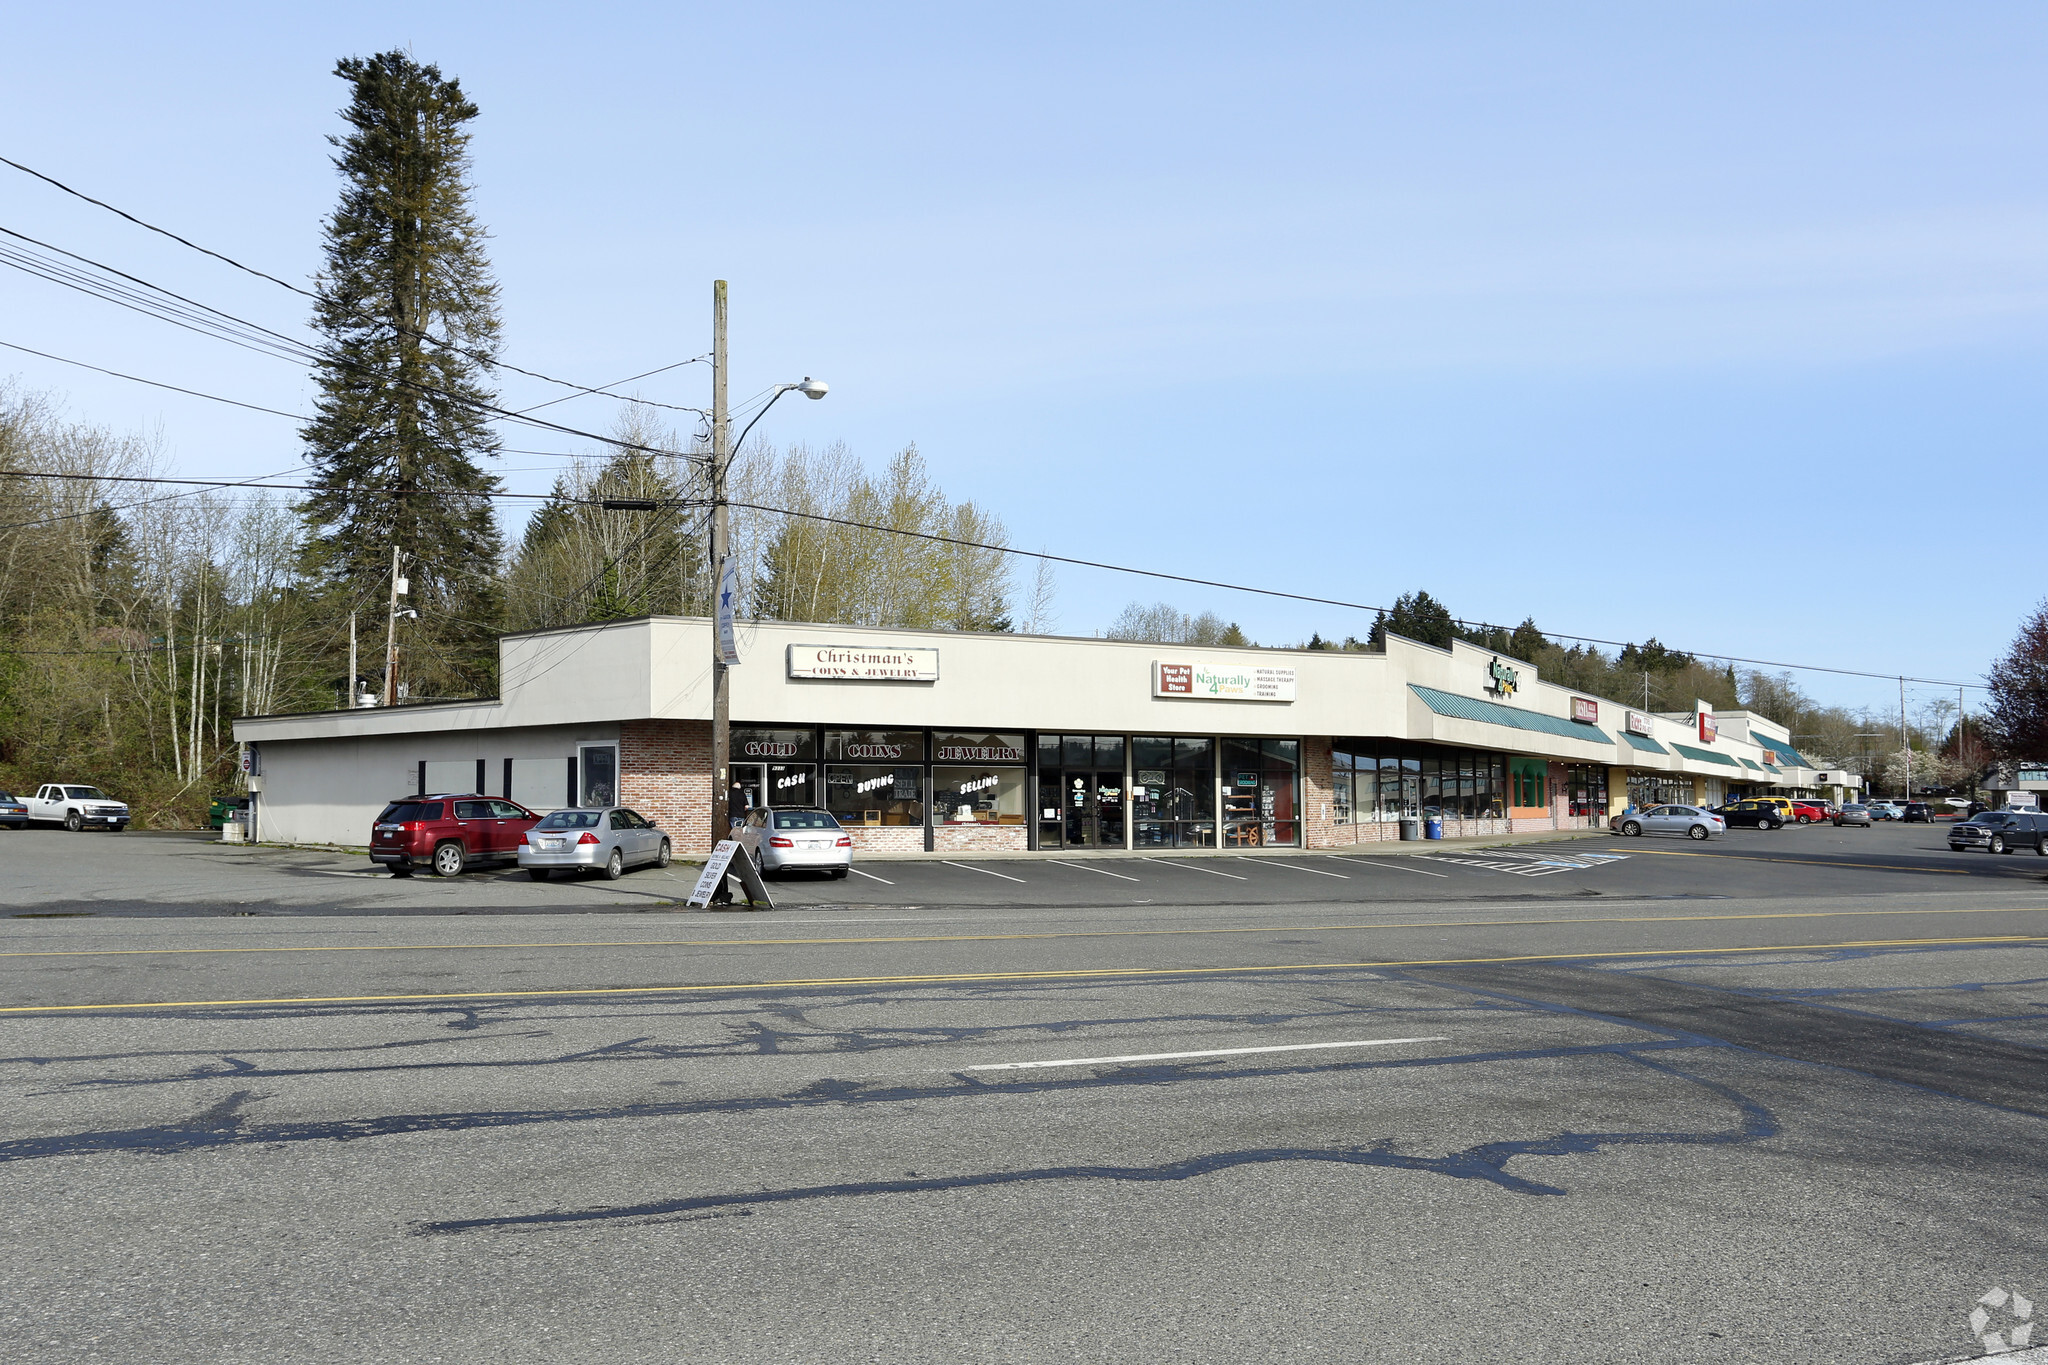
x=727 y=859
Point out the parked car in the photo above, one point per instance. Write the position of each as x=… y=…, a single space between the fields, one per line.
x=2000 y=831
x=1853 y=815
x=1757 y=814
x=1884 y=810
x=76 y=808
x=447 y=833
x=13 y=812
x=1690 y=821
x=1786 y=807
x=797 y=840
x=1918 y=811
x=607 y=839
x=223 y=806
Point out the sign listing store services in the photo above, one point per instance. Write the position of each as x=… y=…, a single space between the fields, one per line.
x=863 y=665
x=1222 y=682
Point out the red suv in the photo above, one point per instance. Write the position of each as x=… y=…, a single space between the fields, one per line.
x=448 y=833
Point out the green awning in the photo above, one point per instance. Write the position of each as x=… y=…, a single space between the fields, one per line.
x=1645 y=743
x=1493 y=713
x=1747 y=764
x=1704 y=755
x=1785 y=752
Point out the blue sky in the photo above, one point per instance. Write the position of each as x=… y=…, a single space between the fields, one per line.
x=1720 y=322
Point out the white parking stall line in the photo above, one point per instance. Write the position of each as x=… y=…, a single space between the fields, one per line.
x=1210 y=1052
x=1190 y=867
x=984 y=871
x=870 y=876
x=1292 y=868
x=1388 y=863
x=1084 y=868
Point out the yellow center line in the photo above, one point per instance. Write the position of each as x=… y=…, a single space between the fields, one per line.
x=1003 y=938
x=1811 y=862
x=1072 y=974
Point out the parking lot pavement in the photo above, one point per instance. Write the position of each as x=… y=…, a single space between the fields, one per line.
x=1696 y=1157
x=58 y=874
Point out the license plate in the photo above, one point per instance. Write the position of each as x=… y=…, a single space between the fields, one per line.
x=551 y=843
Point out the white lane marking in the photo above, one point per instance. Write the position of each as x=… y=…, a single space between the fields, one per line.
x=984 y=871
x=870 y=876
x=1387 y=863
x=1083 y=867
x=1189 y=867
x=1292 y=868
x=1212 y=1052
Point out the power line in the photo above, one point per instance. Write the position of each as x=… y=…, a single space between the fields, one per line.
x=299 y=487
x=1303 y=597
x=154 y=383
x=481 y=357
x=130 y=506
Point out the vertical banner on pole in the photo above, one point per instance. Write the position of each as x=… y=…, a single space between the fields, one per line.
x=728 y=601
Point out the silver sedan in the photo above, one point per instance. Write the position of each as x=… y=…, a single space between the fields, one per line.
x=1852 y=815
x=797 y=840
x=607 y=839
x=1690 y=821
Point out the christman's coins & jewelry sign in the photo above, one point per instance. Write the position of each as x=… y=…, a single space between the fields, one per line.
x=1222 y=682
x=842 y=664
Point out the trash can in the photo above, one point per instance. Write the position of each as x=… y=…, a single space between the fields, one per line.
x=1411 y=828
x=1434 y=829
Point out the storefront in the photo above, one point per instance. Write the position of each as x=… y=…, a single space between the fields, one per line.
x=1018 y=743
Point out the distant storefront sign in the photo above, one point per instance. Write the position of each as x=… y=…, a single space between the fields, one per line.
x=1708 y=730
x=1224 y=682
x=1502 y=680
x=1585 y=710
x=975 y=748
x=1639 y=724
x=2026 y=774
x=843 y=664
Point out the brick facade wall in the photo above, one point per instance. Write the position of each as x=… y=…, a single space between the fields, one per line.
x=1318 y=806
x=665 y=774
x=887 y=838
x=979 y=838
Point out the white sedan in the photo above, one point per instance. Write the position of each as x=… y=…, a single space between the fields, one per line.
x=797 y=840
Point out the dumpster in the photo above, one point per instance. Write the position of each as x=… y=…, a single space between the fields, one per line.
x=1434 y=829
x=1411 y=828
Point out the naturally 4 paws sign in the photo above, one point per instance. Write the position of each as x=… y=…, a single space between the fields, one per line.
x=1222 y=682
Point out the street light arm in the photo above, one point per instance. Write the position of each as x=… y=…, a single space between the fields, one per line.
x=810 y=388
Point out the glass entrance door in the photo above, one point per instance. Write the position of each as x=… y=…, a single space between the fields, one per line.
x=1081 y=794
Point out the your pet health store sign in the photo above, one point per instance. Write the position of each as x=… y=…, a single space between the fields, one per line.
x=1222 y=682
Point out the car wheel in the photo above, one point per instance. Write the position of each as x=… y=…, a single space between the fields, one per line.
x=615 y=866
x=1997 y=844
x=72 y=821
x=661 y=859
x=1773 y=824
x=1631 y=829
x=1804 y=820
x=1697 y=832
x=449 y=860
x=539 y=874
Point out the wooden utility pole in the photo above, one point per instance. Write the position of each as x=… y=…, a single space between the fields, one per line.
x=721 y=695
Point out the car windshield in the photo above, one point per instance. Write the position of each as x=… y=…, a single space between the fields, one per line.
x=1847 y=809
x=402 y=812
x=571 y=819
x=804 y=819
x=85 y=794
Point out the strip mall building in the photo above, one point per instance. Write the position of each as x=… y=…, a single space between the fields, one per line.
x=946 y=743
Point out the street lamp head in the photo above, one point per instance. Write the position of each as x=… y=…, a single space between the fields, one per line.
x=812 y=388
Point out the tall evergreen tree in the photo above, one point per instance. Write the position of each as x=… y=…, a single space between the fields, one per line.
x=409 y=310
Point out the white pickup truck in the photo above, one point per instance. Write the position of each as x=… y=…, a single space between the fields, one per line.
x=75 y=808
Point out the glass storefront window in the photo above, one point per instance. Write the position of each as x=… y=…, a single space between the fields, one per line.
x=598 y=774
x=1173 y=792
x=1261 y=792
x=1658 y=789
x=871 y=794
x=977 y=747
x=792 y=784
x=875 y=746
x=1080 y=791
x=978 y=796
x=1586 y=790
x=760 y=746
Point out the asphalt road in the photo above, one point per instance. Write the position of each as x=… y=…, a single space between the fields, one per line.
x=1781 y=1102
